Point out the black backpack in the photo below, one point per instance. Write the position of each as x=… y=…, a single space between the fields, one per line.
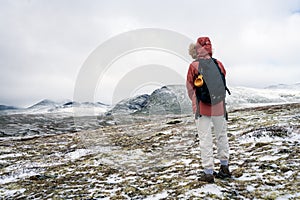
x=214 y=88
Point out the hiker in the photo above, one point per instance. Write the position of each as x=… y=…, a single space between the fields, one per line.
x=204 y=74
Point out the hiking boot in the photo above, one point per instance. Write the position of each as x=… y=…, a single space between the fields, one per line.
x=209 y=178
x=224 y=172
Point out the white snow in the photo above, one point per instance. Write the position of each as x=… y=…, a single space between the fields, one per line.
x=207 y=189
x=248 y=177
x=249 y=97
x=187 y=161
x=269 y=158
x=11 y=155
x=59 y=109
x=158 y=196
x=289 y=196
x=250 y=188
x=78 y=153
x=11 y=192
x=114 y=178
x=16 y=176
x=288 y=174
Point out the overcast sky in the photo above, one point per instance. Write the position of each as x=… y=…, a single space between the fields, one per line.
x=43 y=44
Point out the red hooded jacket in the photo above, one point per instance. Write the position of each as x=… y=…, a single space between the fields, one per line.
x=204 y=51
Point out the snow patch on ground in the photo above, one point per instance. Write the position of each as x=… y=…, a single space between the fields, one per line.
x=207 y=189
x=159 y=196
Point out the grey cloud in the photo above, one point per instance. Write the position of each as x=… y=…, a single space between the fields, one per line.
x=46 y=42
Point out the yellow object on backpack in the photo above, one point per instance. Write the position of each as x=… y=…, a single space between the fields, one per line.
x=199 y=81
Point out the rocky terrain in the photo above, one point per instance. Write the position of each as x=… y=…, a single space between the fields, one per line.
x=156 y=157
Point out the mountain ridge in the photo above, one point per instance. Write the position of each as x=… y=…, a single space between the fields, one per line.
x=173 y=99
x=169 y=99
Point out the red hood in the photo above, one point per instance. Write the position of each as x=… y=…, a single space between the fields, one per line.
x=203 y=47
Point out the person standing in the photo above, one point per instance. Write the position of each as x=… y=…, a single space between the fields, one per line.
x=204 y=75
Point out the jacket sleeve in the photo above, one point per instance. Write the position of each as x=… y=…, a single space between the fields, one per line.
x=192 y=73
x=222 y=67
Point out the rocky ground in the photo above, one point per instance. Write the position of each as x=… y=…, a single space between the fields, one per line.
x=156 y=158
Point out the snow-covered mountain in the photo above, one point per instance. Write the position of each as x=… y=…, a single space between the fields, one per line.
x=242 y=97
x=170 y=99
x=64 y=108
x=285 y=86
x=130 y=105
x=44 y=103
x=173 y=99
x=83 y=109
x=4 y=107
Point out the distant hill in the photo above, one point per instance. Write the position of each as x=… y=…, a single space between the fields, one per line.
x=4 y=107
x=173 y=99
x=170 y=99
x=285 y=86
x=44 y=103
x=66 y=107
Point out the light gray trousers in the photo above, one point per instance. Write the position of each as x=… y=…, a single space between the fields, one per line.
x=206 y=139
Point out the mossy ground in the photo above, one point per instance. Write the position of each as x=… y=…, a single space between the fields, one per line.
x=157 y=158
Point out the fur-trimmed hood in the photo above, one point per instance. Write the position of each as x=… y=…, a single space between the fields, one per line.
x=202 y=48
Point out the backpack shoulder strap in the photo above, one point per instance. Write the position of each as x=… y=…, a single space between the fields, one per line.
x=200 y=69
x=217 y=64
x=222 y=74
x=226 y=88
